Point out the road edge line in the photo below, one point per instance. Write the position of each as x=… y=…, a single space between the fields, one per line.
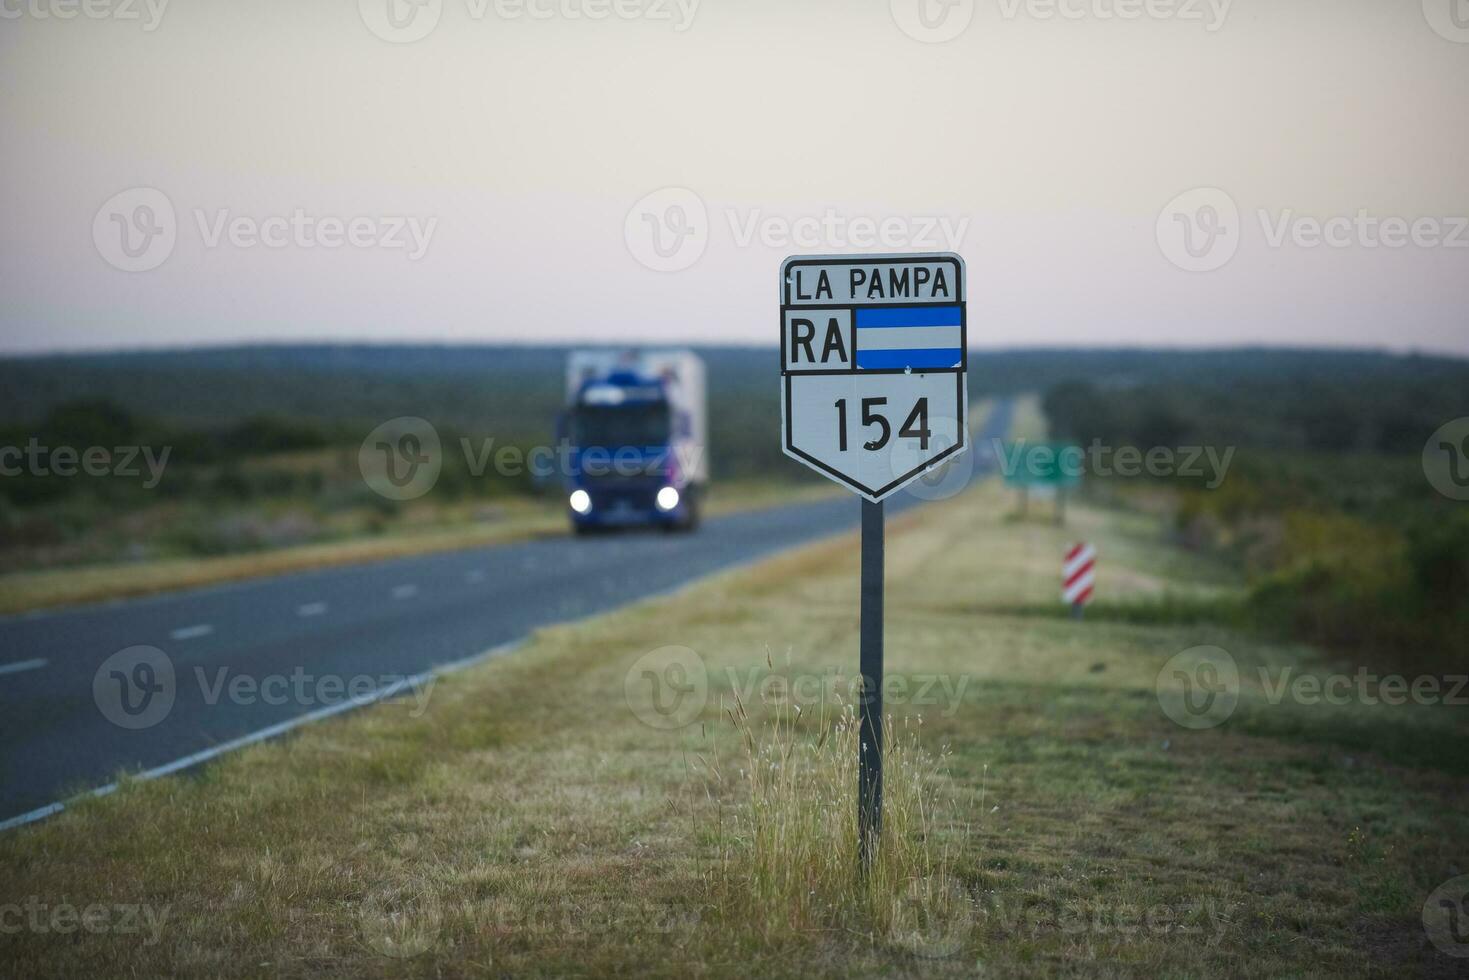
x=269 y=732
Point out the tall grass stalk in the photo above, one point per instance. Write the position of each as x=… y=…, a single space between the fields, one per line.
x=787 y=815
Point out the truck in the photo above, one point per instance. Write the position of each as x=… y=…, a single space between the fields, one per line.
x=633 y=434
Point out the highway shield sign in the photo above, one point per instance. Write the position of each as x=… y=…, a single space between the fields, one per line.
x=873 y=351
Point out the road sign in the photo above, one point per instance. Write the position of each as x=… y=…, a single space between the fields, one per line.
x=873 y=394
x=1043 y=464
x=1078 y=575
x=872 y=363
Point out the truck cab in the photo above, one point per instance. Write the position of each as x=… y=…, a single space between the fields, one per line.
x=634 y=433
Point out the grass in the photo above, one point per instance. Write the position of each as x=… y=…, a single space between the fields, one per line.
x=514 y=521
x=788 y=847
x=539 y=820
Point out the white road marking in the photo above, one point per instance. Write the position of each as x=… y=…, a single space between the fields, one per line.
x=41 y=813
x=188 y=761
x=405 y=591
x=311 y=609
x=191 y=632
x=16 y=668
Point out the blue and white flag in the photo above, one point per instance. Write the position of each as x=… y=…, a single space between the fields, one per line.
x=917 y=337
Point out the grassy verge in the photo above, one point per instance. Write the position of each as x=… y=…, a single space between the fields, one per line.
x=513 y=521
x=549 y=814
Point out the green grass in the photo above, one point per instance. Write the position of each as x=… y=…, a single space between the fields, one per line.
x=532 y=823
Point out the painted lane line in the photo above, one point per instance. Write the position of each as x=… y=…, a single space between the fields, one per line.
x=188 y=761
x=191 y=632
x=405 y=591
x=22 y=665
x=41 y=813
x=311 y=609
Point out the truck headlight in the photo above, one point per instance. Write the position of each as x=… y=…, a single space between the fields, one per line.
x=667 y=498
x=580 y=501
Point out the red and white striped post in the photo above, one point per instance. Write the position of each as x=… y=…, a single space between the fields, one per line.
x=1078 y=576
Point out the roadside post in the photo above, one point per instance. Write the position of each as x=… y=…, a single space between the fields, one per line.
x=1078 y=577
x=873 y=352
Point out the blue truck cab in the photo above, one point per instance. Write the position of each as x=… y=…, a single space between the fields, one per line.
x=633 y=432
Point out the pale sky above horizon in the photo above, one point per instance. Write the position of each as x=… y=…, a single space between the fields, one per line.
x=504 y=175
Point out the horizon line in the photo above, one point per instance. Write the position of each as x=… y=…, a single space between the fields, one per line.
x=344 y=344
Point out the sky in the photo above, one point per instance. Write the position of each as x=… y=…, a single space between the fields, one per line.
x=1114 y=172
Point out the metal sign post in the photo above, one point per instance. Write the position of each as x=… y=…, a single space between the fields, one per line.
x=869 y=732
x=873 y=350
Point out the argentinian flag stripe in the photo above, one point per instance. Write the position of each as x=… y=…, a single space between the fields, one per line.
x=908 y=316
x=918 y=337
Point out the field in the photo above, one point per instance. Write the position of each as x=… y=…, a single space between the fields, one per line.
x=548 y=815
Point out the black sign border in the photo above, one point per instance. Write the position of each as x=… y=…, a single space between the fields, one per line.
x=960 y=373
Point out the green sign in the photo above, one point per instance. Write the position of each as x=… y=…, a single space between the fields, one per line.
x=1042 y=464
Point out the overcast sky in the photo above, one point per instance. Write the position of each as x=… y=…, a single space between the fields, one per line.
x=1115 y=172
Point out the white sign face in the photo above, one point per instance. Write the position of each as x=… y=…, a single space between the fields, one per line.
x=872 y=361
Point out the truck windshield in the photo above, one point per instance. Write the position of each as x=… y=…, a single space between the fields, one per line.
x=612 y=427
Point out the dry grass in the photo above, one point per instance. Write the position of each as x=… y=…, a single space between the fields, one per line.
x=22 y=591
x=530 y=823
x=788 y=849
x=518 y=521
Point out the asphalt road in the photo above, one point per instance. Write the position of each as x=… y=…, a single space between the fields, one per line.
x=78 y=704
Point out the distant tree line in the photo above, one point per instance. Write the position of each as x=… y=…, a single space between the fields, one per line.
x=1368 y=411
x=1326 y=507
